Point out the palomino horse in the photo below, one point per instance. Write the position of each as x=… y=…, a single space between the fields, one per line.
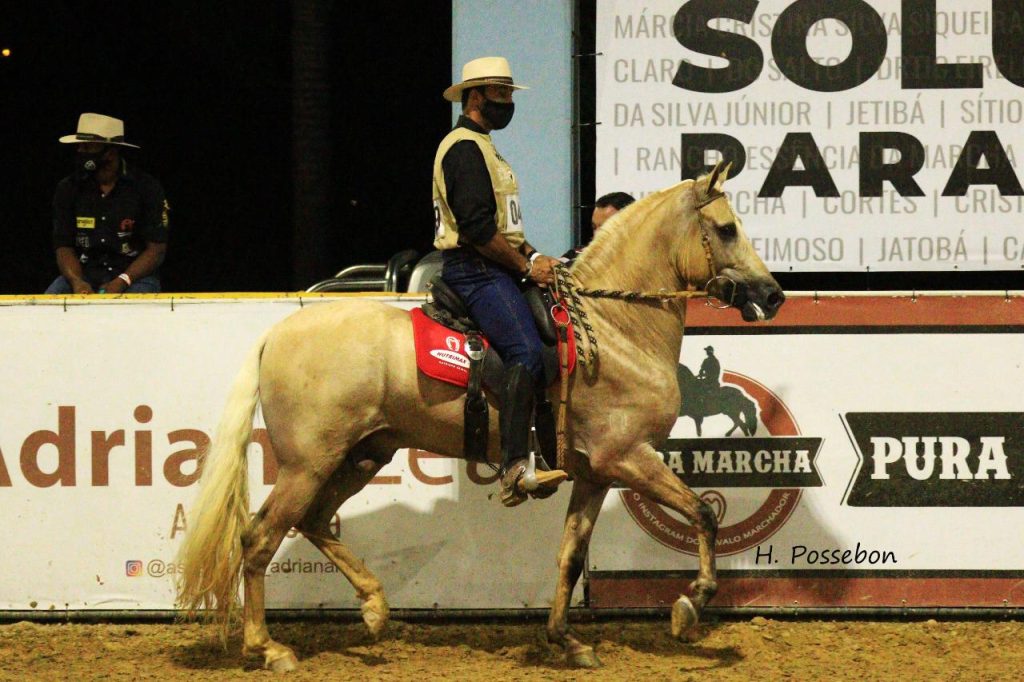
x=699 y=402
x=341 y=393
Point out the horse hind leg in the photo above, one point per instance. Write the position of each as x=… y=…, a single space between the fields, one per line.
x=285 y=506
x=347 y=480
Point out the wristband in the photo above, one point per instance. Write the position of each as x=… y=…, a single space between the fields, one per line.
x=528 y=270
x=534 y=256
x=124 y=276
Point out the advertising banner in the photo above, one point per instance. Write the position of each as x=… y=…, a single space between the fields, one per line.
x=857 y=451
x=863 y=134
x=861 y=451
x=106 y=405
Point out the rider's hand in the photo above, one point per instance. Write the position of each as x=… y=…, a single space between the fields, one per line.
x=543 y=271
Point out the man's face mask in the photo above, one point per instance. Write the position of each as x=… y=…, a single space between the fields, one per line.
x=90 y=162
x=498 y=113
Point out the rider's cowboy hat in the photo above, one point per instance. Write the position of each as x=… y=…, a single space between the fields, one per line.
x=482 y=71
x=98 y=128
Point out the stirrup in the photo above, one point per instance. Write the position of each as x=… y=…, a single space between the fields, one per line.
x=531 y=479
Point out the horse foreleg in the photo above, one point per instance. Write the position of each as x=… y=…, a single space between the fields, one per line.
x=584 y=506
x=285 y=507
x=347 y=480
x=643 y=470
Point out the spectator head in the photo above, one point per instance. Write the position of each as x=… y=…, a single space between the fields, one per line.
x=607 y=206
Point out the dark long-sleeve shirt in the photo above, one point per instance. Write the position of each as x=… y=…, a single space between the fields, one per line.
x=468 y=188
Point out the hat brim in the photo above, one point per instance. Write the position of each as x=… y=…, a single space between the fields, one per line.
x=75 y=139
x=454 y=92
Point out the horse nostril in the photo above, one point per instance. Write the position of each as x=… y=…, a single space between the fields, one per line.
x=775 y=299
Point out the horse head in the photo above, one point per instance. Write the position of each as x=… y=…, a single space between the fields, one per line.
x=716 y=255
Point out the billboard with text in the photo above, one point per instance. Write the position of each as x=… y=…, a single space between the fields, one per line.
x=864 y=134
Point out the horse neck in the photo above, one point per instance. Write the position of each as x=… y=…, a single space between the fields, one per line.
x=638 y=259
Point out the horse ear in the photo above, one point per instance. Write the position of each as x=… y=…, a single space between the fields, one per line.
x=713 y=179
x=725 y=174
x=718 y=177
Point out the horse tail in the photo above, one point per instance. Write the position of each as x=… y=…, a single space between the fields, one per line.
x=210 y=557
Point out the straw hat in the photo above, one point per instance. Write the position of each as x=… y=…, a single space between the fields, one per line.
x=98 y=128
x=482 y=71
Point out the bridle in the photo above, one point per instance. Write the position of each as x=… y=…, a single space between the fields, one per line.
x=705 y=241
x=569 y=295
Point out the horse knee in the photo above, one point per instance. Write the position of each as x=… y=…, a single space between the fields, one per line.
x=706 y=518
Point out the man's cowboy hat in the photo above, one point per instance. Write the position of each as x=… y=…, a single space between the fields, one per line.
x=482 y=71
x=99 y=128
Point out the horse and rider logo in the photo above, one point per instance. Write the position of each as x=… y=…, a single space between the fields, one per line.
x=452 y=343
x=704 y=396
x=743 y=453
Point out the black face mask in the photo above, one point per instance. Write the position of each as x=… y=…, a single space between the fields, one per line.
x=498 y=113
x=88 y=163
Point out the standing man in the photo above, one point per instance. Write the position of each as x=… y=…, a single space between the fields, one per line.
x=478 y=224
x=109 y=222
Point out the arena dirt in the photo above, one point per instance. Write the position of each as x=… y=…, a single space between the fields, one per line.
x=757 y=649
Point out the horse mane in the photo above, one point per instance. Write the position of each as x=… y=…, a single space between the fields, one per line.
x=608 y=247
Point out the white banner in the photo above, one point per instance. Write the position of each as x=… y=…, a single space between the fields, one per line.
x=864 y=134
x=105 y=405
x=875 y=439
x=885 y=462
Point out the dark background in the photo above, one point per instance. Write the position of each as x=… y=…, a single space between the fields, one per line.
x=240 y=107
x=206 y=89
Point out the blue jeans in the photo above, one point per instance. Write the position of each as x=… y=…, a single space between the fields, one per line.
x=147 y=285
x=497 y=305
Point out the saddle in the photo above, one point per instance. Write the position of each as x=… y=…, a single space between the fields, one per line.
x=450 y=347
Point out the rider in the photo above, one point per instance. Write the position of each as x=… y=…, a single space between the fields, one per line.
x=478 y=225
x=710 y=371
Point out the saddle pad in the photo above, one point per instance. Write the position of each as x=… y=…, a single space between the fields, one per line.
x=440 y=351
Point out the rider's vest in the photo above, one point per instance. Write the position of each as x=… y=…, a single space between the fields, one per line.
x=509 y=214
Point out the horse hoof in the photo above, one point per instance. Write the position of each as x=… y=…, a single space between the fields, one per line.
x=375 y=615
x=584 y=658
x=285 y=663
x=684 y=616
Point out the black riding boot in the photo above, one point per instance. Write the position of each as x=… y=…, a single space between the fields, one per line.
x=514 y=420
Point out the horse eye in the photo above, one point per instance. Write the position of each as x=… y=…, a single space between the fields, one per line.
x=727 y=231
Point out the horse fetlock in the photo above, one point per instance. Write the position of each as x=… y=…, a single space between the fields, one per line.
x=702 y=590
x=558 y=635
x=375 y=612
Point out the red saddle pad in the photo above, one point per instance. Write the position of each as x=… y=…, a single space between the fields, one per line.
x=441 y=352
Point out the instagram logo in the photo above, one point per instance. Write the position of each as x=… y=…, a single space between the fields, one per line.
x=133 y=568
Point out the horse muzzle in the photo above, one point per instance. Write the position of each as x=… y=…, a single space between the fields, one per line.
x=756 y=301
x=760 y=303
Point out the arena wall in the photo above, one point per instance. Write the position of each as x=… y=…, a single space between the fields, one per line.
x=884 y=467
